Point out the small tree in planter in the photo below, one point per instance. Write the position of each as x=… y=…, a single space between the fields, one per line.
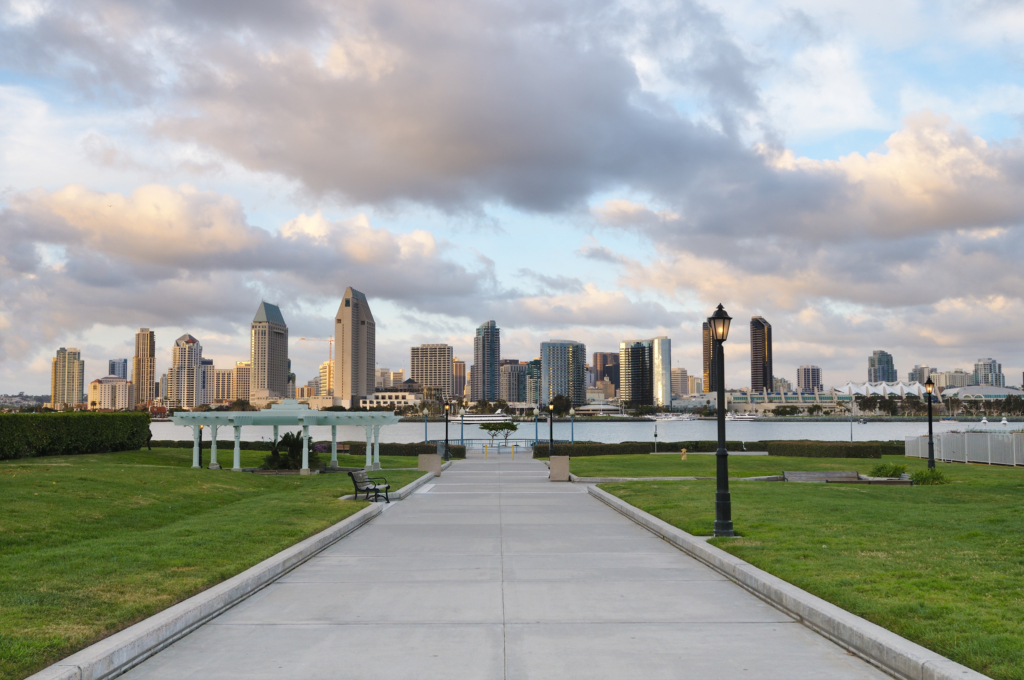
x=287 y=454
x=504 y=429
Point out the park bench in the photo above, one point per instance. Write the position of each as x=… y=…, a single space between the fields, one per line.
x=369 y=485
x=825 y=476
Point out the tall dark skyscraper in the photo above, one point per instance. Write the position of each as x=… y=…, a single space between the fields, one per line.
x=606 y=364
x=760 y=354
x=709 y=368
x=485 y=376
x=636 y=372
x=881 y=367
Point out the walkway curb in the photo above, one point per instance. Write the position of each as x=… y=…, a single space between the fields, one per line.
x=122 y=651
x=409 y=488
x=888 y=651
x=615 y=480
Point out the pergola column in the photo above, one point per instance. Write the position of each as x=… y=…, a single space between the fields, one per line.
x=305 y=450
x=214 y=465
x=195 y=446
x=376 y=447
x=369 y=450
x=334 y=446
x=238 y=449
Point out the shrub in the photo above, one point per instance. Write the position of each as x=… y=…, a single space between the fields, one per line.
x=394 y=449
x=888 y=470
x=288 y=454
x=61 y=434
x=929 y=477
x=822 y=449
x=581 y=449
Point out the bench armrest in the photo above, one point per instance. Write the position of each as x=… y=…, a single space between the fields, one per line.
x=378 y=479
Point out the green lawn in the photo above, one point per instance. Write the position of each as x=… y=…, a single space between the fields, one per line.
x=91 y=544
x=703 y=465
x=940 y=565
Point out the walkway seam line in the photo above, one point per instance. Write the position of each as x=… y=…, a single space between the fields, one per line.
x=882 y=648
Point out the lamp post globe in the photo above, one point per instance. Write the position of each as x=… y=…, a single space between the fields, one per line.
x=718 y=324
x=929 y=387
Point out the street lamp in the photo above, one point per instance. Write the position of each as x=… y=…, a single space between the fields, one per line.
x=572 y=425
x=718 y=324
x=425 y=412
x=462 y=425
x=446 y=407
x=200 y=446
x=551 y=430
x=929 y=386
x=536 y=427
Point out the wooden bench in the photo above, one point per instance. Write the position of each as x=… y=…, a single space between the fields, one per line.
x=824 y=476
x=370 y=485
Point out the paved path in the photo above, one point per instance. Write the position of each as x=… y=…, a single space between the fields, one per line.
x=494 y=572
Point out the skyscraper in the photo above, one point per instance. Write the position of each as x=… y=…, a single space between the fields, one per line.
x=485 y=381
x=760 y=354
x=533 y=381
x=881 y=367
x=144 y=367
x=355 y=342
x=269 y=352
x=118 y=368
x=67 y=381
x=431 y=366
x=222 y=379
x=661 y=371
x=989 y=372
x=382 y=379
x=636 y=372
x=606 y=364
x=710 y=384
x=327 y=378
x=513 y=381
x=563 y=371
x=808 y=378
x=680 y=382
x=207 y=382
x=919 y=374
x=240 y=380
x=184 y=380
x=459 y=377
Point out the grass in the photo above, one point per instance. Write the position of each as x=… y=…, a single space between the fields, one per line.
x=92 y=544
x=703 y=465
x=940 y=565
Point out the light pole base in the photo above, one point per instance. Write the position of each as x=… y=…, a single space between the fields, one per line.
x=724 y=529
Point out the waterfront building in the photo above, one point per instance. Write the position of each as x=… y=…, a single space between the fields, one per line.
x=67 y=380
x=760 y=354
x=327 y=379
x=241 y=381
x=881 y=367
x=989 y=372
x=269 y=352
x=485 y=380
x=636 y=372
x=920 y=374
x=112 y=393
x=222 y=384
x=958 y=377
x=534 y=369
x=184 y=380
x=144 y=367
x=118 y=368
x=355 y=349
x=680 y=382
x=981 y=393
x=382 y=378
x=399 y=395
x=709 y=366
x=459 y=377
x=161 y=389
x=606 y=365
x=696 y=384
x=431 y=366
x=808 y=379
x=563 y=371
x=513 y=381
x=207 y=384
x=661 y=378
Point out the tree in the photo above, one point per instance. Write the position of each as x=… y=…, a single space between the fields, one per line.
x=287 y=454
x=483 y=406
x=814 y=409
x=561 y=404
x=787 y=410
x=505 y=429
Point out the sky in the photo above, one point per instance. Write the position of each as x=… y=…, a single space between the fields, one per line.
x=597 y=171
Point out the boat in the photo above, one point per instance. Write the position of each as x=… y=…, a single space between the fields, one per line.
x=948 y=420
x=862 y=422
x=741 y=416
x=667 y=417
x=478 y=419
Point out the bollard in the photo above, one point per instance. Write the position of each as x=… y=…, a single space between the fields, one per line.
x=485 y=451
x=513 y=452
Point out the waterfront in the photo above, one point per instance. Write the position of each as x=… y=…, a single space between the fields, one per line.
x=611 y=432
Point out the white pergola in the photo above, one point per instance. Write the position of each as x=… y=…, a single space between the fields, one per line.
x=289 y=413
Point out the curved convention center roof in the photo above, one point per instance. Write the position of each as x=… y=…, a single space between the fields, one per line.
x=981 y=392
x=288 y=412
x=882 y=389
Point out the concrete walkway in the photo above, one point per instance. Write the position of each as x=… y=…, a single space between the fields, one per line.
x=494 y=572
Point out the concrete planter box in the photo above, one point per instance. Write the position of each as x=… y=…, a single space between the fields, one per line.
x=430 y=462
x=559 y=468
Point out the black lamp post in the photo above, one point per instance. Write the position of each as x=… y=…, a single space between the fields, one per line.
x=536 y=427
x=200 y=446
x=719 y=325
x=551 y=430
x=425 y=423
x=929 y=386
x=446 y=407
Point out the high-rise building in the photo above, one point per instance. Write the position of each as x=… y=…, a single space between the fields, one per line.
x=355 y=345
x=636 y=372
x=760 y=354
x=222 y=384
x=207 y=382
x=989 y=372
x=710 y=384
x=563 y=371
x=606 y=364
x=327 y=378
x=680 y=382
x=112 y=393
x=184 y=380
x=956 y=378
x=67 y=381
x=161 y=388
x=459 y=377
x=661 y=376
x=920 y=374
x=881 y=367
x=118 y=368
x=382 y=378
x=696 y=384
x=485 y=380
x=397 y=377
x=431 y=366
x=241 y=380
x=269 y=352
x=144 y=367
x=513 y=381
x=808 y=379
x=781 y=385
x=534 y=369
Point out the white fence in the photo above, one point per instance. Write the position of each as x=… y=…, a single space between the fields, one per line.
x=993 y=448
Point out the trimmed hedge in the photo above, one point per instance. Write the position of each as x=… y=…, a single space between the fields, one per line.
x=24 y=435
x=355 y=448
x=821 y=449
x=629 y=448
